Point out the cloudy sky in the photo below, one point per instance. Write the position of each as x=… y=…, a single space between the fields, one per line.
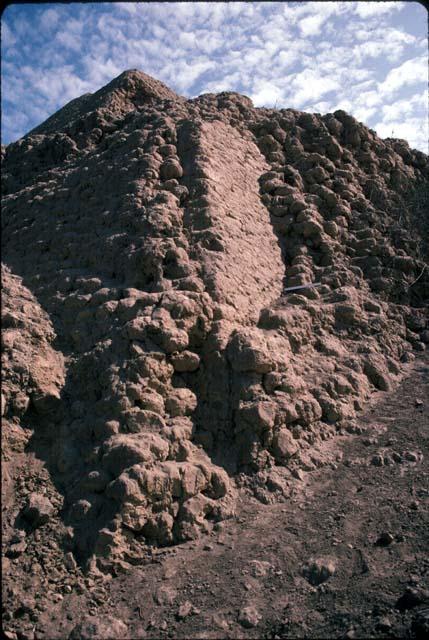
x=369 y=58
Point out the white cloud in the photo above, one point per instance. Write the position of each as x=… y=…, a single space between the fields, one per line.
x=344 y=104
x=363 y=113
x=128 y=7
x=268 y=94
x=375 y=49
x=69 y=40
x=309 y=86
x=158 y=31
x=17 y=123
x=371 y=98
x=185 y=75
x=254 y=57
x=49 y=19
x=402 y=109
x=321 y=107
x=388 y=43
x=75 y=26
x=228 y=83
x=209 y=42
x=21 y=26
x=61 y=84
x=100 y=71
x=367 y=9
x=188 y=40
x=415 y=130
x=7 y=37
x=409 y=72
x=311 y=25
x=285 y=59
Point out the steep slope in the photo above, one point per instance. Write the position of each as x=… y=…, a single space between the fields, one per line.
x=159 y=234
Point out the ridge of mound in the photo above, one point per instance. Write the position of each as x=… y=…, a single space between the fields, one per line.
x=162 y=237
x=129 y=90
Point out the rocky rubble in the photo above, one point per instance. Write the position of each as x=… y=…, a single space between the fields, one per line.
x=151 y=344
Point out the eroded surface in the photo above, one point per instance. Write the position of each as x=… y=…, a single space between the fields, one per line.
x=157 y=375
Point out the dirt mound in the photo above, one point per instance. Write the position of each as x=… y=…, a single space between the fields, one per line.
x=169 y=243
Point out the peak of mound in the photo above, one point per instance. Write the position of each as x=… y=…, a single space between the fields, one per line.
x=134 y=86
x=124 y=93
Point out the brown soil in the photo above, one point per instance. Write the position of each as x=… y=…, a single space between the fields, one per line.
x=189 y=447
x=257 y=558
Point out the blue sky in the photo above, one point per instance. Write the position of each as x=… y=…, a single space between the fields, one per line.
x=369 y=58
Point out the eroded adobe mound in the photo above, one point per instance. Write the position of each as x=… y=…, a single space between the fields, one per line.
x=159 y=238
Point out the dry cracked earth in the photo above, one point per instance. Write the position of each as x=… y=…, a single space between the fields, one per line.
x=214 y=373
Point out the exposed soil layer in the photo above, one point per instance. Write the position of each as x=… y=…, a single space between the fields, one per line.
x=200 y=299
x=378 y=485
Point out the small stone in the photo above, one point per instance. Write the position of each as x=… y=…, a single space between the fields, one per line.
x=419 y=402
x=384 y=624
x=96 y=481
x=186 y=361
x=298 y=474
x=219 y=622
x=384 y=539
x=169 y=572
x=186 y=609
x=26 y=606
x=171 y=169
x=69 y=561
x=18 y=536
x=249 y=617
x=365 y=568
x=38 y=510
x=411 y=456
x=412 y=597
x=260 y=568
x=377 y=460
x=165 y=595
x=319 y=570
x=92 y=628
x=17 y=549
x=284 y=445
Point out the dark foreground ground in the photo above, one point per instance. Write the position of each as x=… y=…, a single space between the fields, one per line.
x=364 y=518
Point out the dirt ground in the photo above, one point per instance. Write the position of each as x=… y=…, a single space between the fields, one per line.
x=364 y=518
